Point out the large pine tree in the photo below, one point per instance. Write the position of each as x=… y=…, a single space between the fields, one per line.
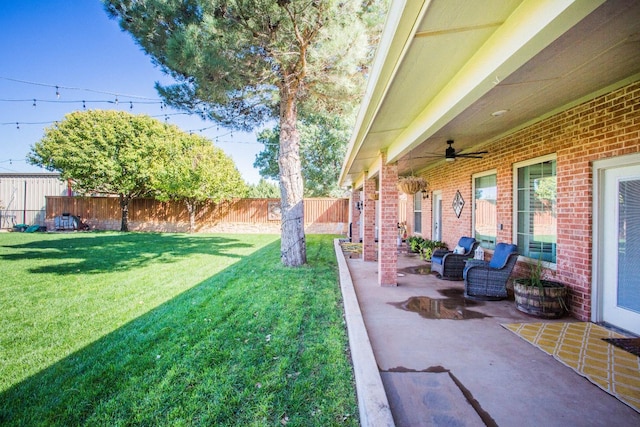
x=244 y=62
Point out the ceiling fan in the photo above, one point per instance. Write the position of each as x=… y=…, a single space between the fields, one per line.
x=450 y=153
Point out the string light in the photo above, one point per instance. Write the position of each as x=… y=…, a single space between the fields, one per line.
x=57 y=87
x=18 y=123
x=116 y=101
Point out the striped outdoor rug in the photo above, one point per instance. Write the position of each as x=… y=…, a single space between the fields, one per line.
x=580 y=346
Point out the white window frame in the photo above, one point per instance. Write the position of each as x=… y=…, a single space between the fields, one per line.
x=473 y=192
x=417 y=196
x=514 y=212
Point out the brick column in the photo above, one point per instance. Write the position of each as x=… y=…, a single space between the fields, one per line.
x=355 y=216
x=388 y=226
x=369 y=250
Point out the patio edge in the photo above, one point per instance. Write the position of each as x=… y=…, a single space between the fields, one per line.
x=372 y=400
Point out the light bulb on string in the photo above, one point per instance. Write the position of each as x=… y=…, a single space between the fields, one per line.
x=34 y=103
x=130 y=105
x=17 y=125
x=116 y=99
x=57 y=92
x=84 y=106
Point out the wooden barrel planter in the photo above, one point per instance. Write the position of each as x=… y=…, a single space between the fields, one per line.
x=547 y=301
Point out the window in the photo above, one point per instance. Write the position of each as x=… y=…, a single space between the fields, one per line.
x=535 y=202
x=417 y=212
x=485 y=216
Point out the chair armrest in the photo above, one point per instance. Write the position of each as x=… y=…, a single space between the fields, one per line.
x=440 y=253
x=477 y=266
x=471 y=263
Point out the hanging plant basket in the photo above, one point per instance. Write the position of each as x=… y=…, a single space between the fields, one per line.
x=412 y=184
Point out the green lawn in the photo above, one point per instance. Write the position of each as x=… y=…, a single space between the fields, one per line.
x=170 y=329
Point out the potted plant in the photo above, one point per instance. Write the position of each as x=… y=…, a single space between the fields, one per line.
x=539 y=296
x=414 y=243
x=428 y=246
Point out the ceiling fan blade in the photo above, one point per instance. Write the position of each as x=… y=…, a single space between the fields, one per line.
x=428 y=156
x=475 y=153
x=469 y=156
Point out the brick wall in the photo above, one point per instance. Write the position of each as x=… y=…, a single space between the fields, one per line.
x=606 y=126
x=355 y=217
x=388 y=227
x=369 y=248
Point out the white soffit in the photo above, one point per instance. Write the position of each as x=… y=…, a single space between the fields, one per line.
x=445 y=60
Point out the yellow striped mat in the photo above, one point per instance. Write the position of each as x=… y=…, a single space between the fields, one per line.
x=579 y=345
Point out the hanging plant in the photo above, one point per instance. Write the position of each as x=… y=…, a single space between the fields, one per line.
x=412 y=184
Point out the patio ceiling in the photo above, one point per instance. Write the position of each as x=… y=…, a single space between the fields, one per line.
x=444 y=66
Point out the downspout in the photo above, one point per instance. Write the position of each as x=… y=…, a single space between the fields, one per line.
x=24 y=206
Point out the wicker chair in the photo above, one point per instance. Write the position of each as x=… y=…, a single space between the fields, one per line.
x=449 y=264
x=487 y=280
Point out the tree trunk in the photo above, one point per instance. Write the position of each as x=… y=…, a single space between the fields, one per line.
x=293 y=248
x=124 y=207
x=191 y=208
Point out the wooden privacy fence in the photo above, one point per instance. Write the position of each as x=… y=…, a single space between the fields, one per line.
x=321 y=216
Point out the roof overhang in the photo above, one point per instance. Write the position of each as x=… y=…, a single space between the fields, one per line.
x=444 y=66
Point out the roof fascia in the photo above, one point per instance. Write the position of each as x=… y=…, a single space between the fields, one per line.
x=401 y=25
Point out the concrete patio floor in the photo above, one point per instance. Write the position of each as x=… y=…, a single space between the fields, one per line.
x=462 y=369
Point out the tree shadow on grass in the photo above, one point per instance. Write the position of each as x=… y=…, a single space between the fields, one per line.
x=159 y=362
x=102 y=252
x=206 y=357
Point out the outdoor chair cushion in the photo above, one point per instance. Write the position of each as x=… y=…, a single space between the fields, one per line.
x=501 y=255
x=466 y=243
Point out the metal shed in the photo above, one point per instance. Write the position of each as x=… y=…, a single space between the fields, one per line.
x=22 y=196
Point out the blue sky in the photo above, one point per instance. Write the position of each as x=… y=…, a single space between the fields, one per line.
x=74 y=45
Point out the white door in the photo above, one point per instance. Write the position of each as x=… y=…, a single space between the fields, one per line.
x=621 y=247
x=437 y=216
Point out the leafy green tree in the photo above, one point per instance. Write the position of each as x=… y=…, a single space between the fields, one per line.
x=323 y=143
x=243 y=62
x=104 y=152
x=546 y=190
x=195 y=172
x=264 y=190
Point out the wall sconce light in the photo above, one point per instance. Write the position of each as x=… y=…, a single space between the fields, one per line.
x=359 y=206
x=425 y=195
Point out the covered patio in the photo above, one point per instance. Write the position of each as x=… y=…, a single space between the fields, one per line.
x=523 y=118
x=528 y=107
x=442 y=360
